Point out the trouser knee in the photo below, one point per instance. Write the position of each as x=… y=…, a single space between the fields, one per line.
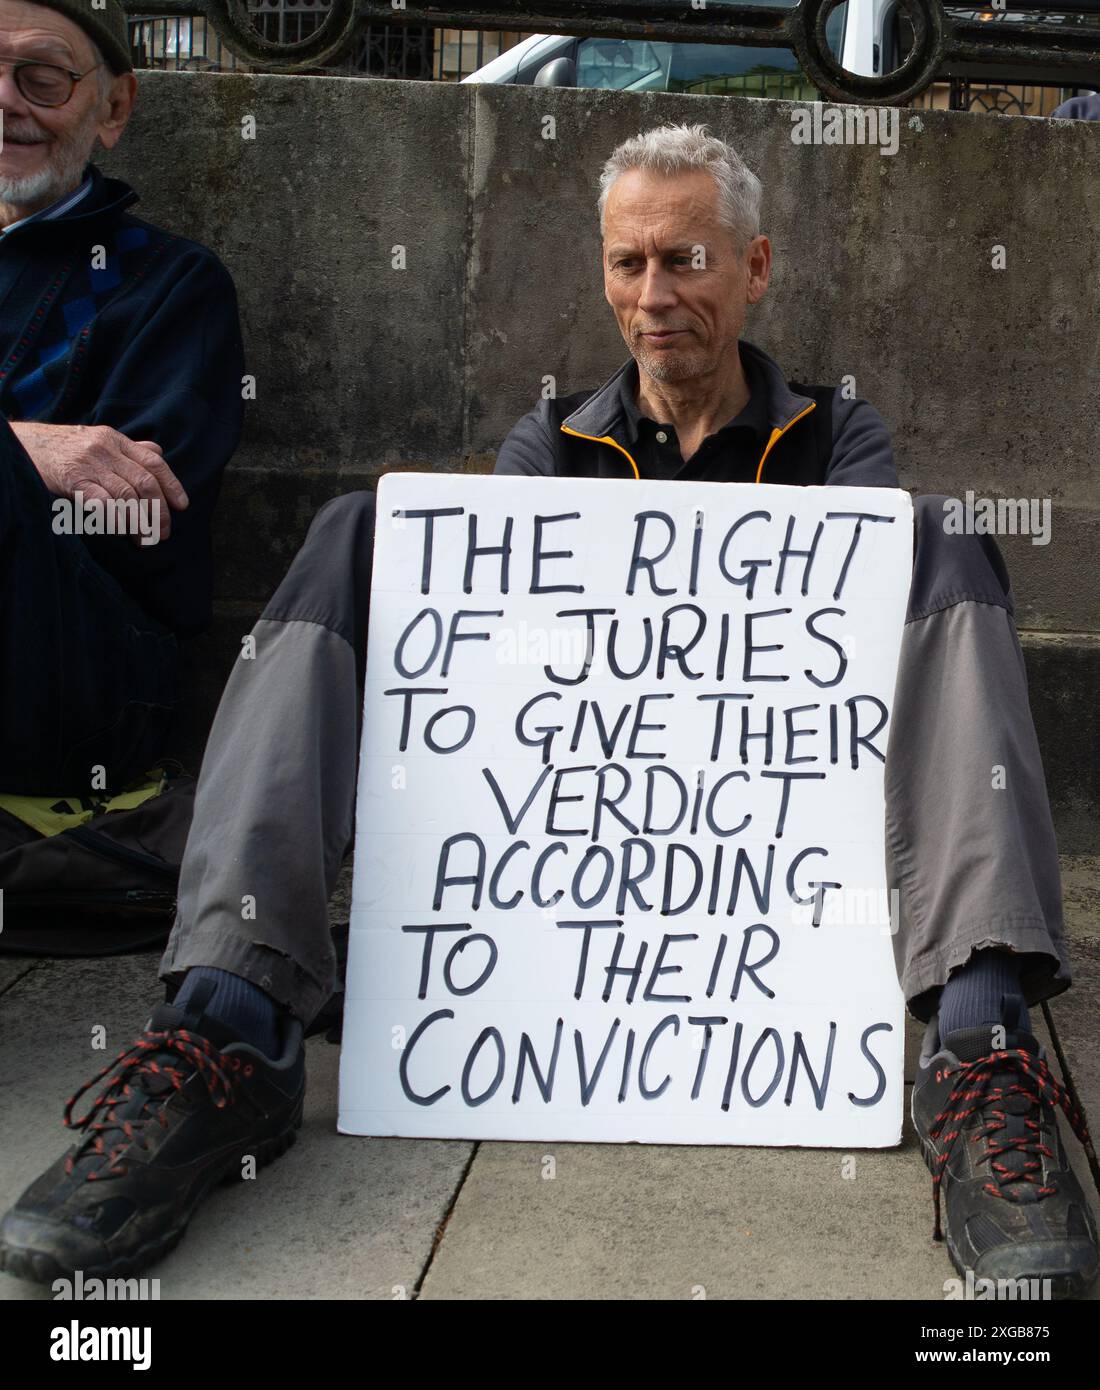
x=950 y=565
x=329 y=580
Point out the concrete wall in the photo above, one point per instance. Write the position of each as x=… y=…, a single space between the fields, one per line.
x=882 y=271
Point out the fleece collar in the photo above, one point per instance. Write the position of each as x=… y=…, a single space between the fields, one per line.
x=106 y=199
x=602 y=416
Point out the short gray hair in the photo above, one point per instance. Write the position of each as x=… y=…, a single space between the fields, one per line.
x=675 y=149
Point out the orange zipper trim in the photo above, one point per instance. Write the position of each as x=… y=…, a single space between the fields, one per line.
x=776 y=435
x=604 y=439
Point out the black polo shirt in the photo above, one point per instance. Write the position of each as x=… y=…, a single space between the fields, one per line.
x=742 y=440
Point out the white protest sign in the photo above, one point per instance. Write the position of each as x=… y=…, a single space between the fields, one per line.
x=619 y=865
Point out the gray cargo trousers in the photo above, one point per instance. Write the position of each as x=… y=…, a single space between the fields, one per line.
x=974 y=862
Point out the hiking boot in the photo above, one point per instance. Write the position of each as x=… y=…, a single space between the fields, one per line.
x=988 y=1131
x=186 y=1104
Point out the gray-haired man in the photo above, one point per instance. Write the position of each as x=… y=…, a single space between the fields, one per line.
x=982 y=935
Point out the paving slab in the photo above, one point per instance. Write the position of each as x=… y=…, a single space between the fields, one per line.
x=658 y=1222
x=342 y=1217
x=1076 y=1013
x=333 y=1218
x=636 y=1221
x=632 y=1221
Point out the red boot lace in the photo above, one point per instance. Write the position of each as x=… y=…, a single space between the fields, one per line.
x=144 y=1057
x=975 y=1091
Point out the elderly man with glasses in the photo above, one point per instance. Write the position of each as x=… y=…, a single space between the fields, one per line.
x=121 y=380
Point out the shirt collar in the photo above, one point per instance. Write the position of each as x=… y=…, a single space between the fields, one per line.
x=753 y=416
x=55 y=209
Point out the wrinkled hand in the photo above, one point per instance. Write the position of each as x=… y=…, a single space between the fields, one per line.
x=101 y=463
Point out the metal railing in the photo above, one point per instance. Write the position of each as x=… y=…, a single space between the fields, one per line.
x=417 y=53
x=191 y=43
x=927 y=40
x=179 y=42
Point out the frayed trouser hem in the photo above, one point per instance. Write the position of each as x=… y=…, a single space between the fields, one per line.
x=1045 y=974
x=287 y=981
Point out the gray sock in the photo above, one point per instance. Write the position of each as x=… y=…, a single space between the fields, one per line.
x=242 y=1006
x=974 y=996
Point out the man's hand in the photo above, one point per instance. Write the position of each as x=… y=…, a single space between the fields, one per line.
x=100 y=463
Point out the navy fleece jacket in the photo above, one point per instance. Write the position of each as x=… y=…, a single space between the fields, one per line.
x=108 y=320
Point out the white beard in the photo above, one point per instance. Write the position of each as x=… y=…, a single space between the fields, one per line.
x=59 y=175
x=33 y=189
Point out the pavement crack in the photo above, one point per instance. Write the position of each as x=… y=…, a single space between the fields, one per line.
x=1071 y=1088
x=440 y=1230
x=20 y=975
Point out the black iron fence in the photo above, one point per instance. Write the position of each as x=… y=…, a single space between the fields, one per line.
x=424 y=53
x=414 y=52
x=191 y=43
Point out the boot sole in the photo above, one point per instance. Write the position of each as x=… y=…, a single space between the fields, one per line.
x=38 y=1267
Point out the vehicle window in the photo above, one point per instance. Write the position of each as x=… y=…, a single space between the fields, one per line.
x=620 y=63
x=709 y=69
x=897 y=38
x=834 y=28
x=701 y=68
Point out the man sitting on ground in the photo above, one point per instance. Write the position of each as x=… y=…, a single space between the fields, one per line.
x=981 y=935
x=120 y=375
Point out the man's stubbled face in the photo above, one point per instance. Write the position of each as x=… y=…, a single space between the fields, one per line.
x=674 y=274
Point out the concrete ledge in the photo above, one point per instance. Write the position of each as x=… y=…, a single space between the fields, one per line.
x=264 y=513
x=1063 y=671
x=413 y=259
